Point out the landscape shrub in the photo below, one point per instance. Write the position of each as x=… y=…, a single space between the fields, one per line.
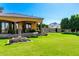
x=77 y=33
x=73 y=33
x=11 y=31
x=34 y=36
x=32 y=30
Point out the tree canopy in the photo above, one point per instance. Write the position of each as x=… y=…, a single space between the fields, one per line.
x=65 y=23
x=72 y=23
x=43 y=25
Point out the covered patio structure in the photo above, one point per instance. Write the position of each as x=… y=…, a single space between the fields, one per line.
x=12 y=23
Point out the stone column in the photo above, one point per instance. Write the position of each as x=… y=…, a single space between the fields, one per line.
x=19 y=28
x=4 y=27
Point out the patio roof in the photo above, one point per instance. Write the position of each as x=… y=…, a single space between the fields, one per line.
x=18 y=15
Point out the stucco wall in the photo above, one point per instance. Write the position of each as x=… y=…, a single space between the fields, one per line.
x=51 y=30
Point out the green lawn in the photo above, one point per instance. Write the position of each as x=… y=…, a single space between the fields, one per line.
x=55 y=44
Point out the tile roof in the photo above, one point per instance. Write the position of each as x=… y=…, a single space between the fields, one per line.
x=17 y=15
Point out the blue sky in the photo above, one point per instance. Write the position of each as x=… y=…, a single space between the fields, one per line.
x=51 y=12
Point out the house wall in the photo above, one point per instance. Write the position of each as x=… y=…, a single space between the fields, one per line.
x=47 y=30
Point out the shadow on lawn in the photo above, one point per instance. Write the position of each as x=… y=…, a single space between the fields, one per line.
x=72 y=33
x=2 y=38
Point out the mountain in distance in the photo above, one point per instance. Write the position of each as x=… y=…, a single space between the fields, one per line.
x=54 y=25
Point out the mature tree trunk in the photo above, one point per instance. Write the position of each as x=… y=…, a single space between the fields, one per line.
x=75 y=30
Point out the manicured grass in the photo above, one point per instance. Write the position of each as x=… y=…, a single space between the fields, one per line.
x=55 y=44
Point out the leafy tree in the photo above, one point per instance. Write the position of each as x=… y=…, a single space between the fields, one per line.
x=43 y=25
x=74 y=22
x=65 y=23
